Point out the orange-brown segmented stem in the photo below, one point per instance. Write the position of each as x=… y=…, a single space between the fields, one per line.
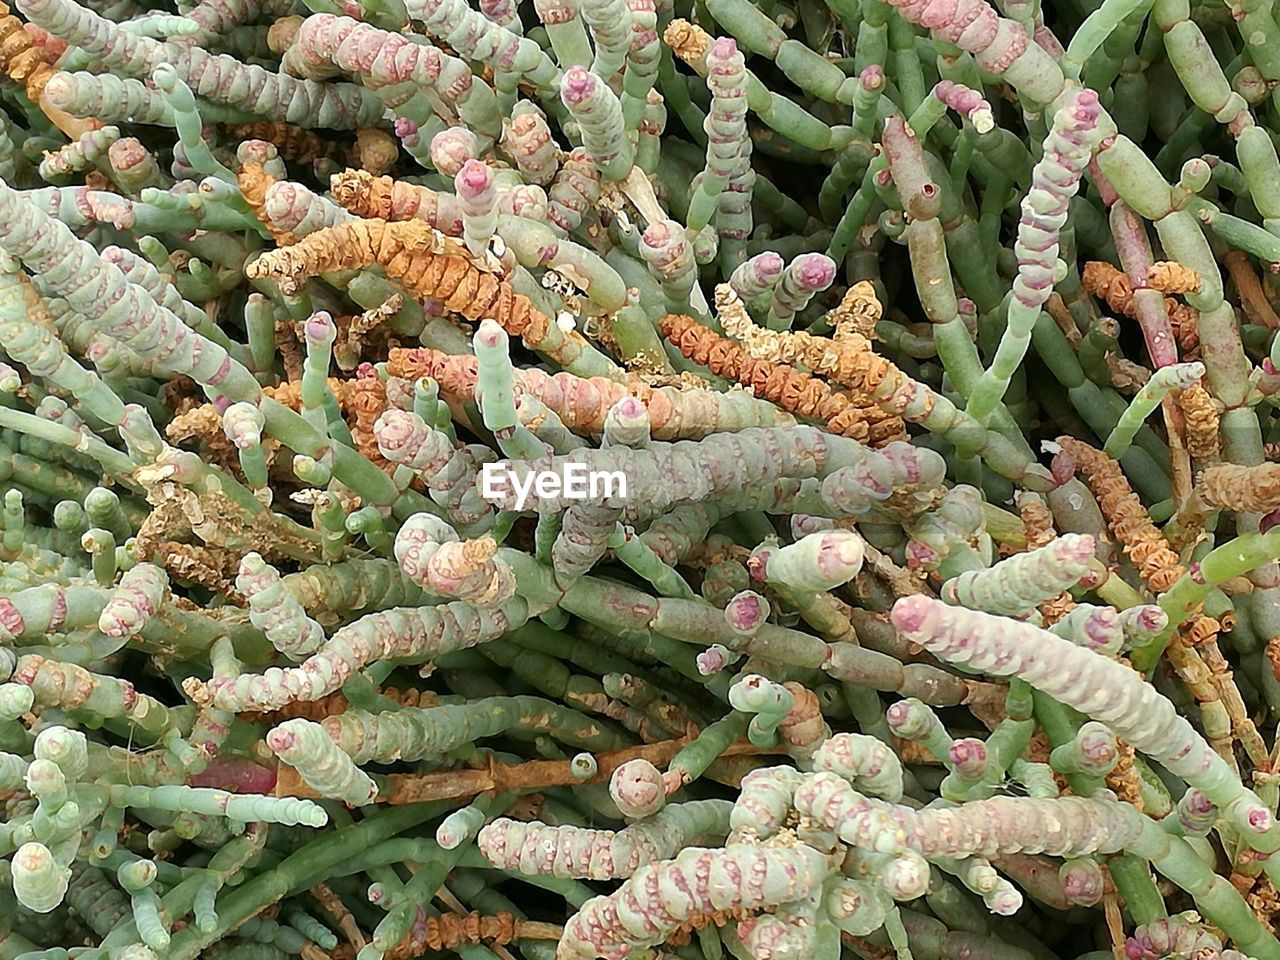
x=1038 y=524
x=203 y=423
x=849 y=361
x=1201 y=417
x=845 y=413
x=1124 y=779
x=859 y=312
x=803 y=726
x=293 y=142
x=1107 y=283
x=582 y=403
x=282 y=33
x=687 y=41
x=31 y=64
x=375 y=150
x=428 y=263
x=1230 y=486
x=1125 y=515
x=1169 y=276
x=290 y=350
x=196 y=422
x=211 y=567
x=1160 y=568
x=448 y=931
x=365 y=195
x=367 y=402
x=254 y=182
x=1037 y=521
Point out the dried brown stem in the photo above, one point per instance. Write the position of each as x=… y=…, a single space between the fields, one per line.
x=292 y=142
x=1229 y=486
x=1105 y=282
x=1253 y=299
x=845 y=412
x=1220 y=705
x=332 y=904
x=531 y=775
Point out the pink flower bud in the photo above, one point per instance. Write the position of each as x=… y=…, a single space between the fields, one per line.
x=637 y=788
x=1082 y=882
x=713 y=659
x=969 y=757
x=814 y=271
x=747 y=612
x=577 y=85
